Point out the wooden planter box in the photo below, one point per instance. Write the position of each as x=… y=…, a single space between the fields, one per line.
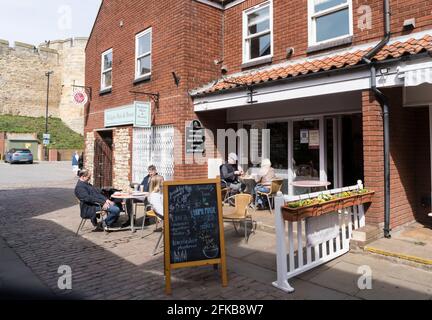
x=314 y=210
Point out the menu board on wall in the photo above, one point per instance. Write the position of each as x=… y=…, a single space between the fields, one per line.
x=193 y=225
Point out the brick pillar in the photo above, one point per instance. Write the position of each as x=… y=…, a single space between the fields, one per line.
x=373 y=150
x=53 y=155
x=89 y=153
x=122 y=158
x=2 y=144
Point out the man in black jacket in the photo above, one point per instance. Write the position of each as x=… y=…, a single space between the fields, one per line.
x=90 y=200
x=230 y=174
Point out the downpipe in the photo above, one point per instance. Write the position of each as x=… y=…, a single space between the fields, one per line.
x=384 y=103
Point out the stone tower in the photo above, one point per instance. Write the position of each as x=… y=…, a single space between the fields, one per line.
x=23 y=83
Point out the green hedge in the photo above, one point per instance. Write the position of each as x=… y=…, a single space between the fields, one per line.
x=62 y=137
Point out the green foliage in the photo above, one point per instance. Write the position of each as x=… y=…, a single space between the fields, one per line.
x=62 y=137
x=322 y=198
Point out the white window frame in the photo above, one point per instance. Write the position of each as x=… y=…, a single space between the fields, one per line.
x=313 y=16
x=246 y=38
x=103 y=71
x=149 y=53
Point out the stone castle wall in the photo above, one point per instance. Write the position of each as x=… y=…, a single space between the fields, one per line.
x=23 y=83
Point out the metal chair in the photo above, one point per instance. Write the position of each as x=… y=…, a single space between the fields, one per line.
x=240 y=213
x=275 y=187
x=100 y=213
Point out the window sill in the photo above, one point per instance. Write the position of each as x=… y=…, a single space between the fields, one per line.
x=142 y=79
x=330 y=44
x=105 y=91
x=257 y=62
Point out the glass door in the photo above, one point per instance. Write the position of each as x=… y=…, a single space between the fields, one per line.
x=307 y=154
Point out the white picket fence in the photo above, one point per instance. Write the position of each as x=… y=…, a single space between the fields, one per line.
x=298 y=257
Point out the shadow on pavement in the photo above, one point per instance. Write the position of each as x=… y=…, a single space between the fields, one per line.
x=120 y=266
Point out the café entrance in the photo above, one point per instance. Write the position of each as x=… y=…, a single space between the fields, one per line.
x=309 y=153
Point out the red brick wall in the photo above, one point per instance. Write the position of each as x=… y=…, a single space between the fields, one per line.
x=409 y=158
x=402 y=177
x=290 y=26
x=2 y=144
x=373 y=155
x=187 y=38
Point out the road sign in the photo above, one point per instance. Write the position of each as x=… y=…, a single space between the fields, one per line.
x=46 y=142
x=46 y=136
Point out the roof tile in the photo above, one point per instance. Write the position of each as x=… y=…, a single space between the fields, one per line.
x=394 y=50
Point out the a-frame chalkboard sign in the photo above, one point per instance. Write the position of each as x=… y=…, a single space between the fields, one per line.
x=193 y=226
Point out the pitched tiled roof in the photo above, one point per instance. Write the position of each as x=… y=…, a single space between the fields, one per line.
x=394 y=50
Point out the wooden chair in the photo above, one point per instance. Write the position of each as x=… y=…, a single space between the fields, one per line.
x=151 y=213
x=239 y=213
x=275 y=187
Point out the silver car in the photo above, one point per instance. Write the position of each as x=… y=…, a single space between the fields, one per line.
x=19 y=156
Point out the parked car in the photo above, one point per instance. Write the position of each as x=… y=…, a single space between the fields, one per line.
x=19 y=156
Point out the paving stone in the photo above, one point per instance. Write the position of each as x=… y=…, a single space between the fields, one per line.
x=39 y=222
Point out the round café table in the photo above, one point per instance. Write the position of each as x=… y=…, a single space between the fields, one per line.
x=130 y=196
x=250 y=184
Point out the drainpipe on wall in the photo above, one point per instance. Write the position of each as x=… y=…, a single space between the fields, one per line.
x=383 y=101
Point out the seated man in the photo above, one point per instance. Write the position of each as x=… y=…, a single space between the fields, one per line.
x=230 y=172
x=152 y=171
x=90 y=199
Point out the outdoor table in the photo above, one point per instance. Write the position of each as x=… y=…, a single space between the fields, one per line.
x=249 y=182
x=130 y=196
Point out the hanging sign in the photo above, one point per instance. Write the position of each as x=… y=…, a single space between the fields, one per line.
x=79 y=97
x=193 y=226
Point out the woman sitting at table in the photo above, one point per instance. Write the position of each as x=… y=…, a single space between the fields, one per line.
x=155 y=197
x=264 y=180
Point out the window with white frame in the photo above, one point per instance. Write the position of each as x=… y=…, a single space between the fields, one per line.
x=143 y=54
x=257 y=32
x=106 y=73
x=329 y=20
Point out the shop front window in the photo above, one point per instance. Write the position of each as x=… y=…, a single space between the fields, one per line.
x=306 y=153
x=279 y=144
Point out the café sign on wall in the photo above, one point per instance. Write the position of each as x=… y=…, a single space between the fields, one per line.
x=138 y=114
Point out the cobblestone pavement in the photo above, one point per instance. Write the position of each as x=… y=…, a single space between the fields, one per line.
x=39 y=224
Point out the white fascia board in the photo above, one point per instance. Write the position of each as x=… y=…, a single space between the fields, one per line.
x=211 y=4
x=354 y=81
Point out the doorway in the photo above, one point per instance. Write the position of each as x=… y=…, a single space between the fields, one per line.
x=103 y=155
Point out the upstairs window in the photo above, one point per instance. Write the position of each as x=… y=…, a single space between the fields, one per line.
x=257 y=32
x=329 y=20
x=143 y=54
x=106 y=73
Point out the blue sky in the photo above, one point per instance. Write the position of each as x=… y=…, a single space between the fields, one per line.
x=34 y=21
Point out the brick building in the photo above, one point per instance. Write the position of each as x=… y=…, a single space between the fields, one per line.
x=294 y=67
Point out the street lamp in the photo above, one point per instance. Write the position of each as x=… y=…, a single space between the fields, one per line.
x=48 y=74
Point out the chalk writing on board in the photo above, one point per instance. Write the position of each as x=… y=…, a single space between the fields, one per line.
x=193 y=222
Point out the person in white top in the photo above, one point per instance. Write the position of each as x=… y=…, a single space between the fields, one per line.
x=155 y=197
